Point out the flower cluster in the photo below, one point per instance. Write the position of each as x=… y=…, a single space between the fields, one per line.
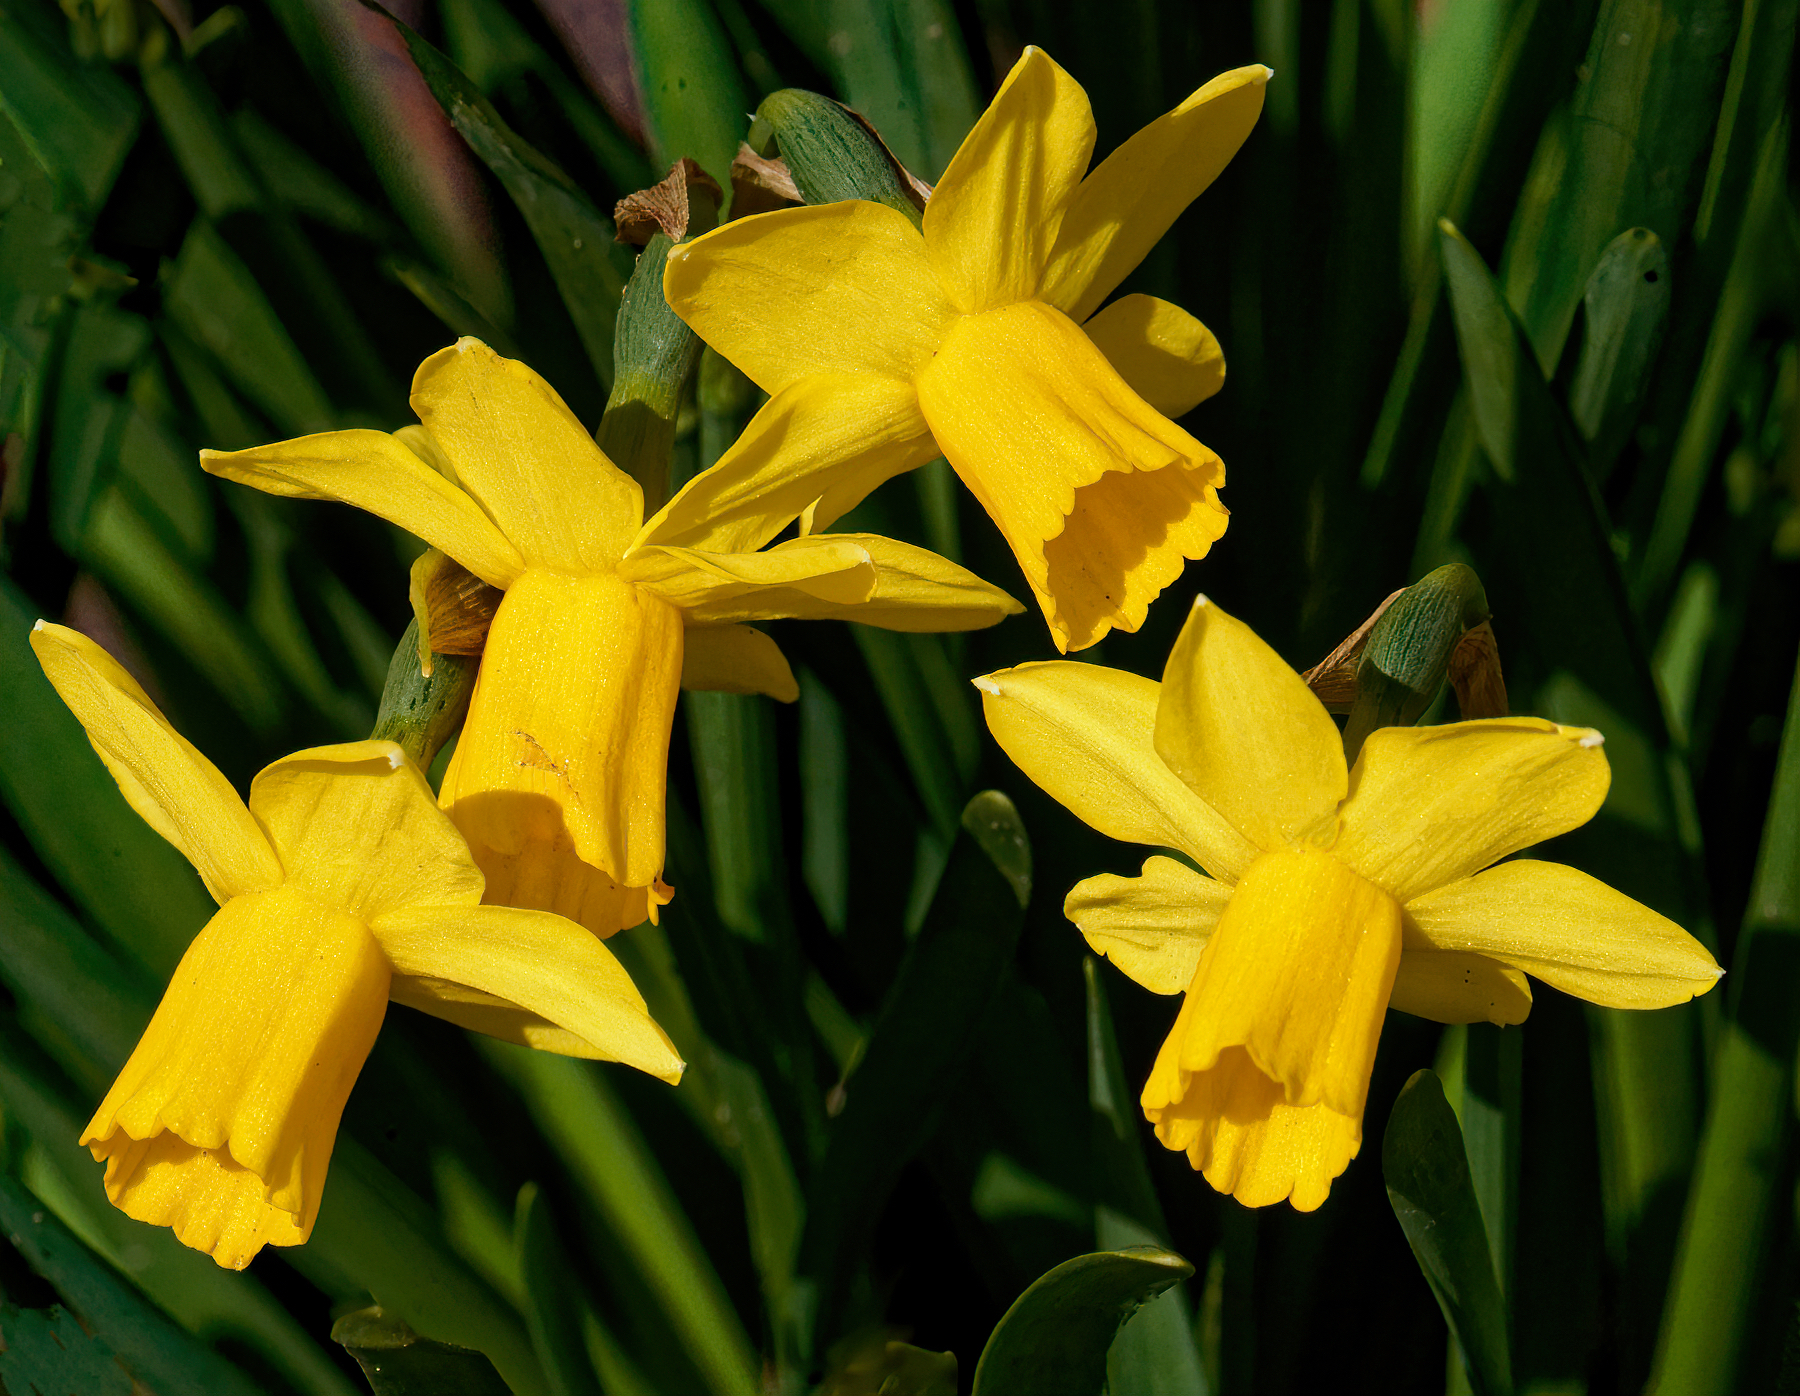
x=1329 y=891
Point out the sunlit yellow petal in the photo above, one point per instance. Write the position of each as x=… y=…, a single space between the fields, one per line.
x=489 y=1015
x=543 y=963
x=1429 y=805
x=994 y=216
x=1101 y=497
x=177 y=791
x=822 y=432
x=567 y=741
x=831 y=288
x=1297 y=973
x=735 y=659
x=1238 y=1130
x=532 y=465
x=1125 y=206
x=1242 y=728
x=1448 y=986
x=373 y=471
x=548 y=875
x=1152 y=927
x=357 y=826
x=1168 y=357
x=913 y=589
x=1570 y=930
x=249 y=1059
x=707 y=586
x=1083 y=733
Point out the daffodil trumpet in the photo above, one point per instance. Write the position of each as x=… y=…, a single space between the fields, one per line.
x=982 y=337
x=557 y=780
x=341 y=886
x=1329 y=895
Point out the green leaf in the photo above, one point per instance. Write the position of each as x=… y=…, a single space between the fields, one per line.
x=143 y=1341
x=693 y=95
x=919 y=1046
x=1627 y=303
x=398 y=1362
x=1723 y=1265
x=577 y=242
x=1428 y=1183
x=552 y=1296
x=78 y=118
x=46 y=1350
x=933 y=716
x=1054 y=1340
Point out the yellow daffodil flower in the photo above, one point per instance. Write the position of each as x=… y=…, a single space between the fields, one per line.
x=340 y=885
x=1334 y=894
x=882 y=347
x=557 y=781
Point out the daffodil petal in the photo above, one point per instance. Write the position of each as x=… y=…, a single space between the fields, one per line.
x=1448 y=986
x=1125 y=206
x=1242 y=1135
x=530 y=462
x=1101 y=498
x=1430 y=805
x=250 y=1056
x=831 y=288
x=209 y=1200
x=1298 y=973
x=1242 y=728
x=357 y=826
x=176 y=790
x=545 y=964
x=373 y=471
x=913 y=590
x=1083 y=733
x=1570 y=930
x=736 y=659
x=1168 y=357
x=1152 y=927
x=566 y=745
x=994 y=216
x=712 y=587
x=811 y=437
x=489 y=1015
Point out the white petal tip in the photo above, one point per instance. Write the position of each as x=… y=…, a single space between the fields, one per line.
x=38 y=625
x=985 y=683
x=396 y=759
x=1201 y=601
x=1592 y=739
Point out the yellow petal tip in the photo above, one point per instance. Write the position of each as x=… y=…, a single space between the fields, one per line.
x=985 y=682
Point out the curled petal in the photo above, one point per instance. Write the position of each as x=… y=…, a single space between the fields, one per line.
x=735 y=659
x=1168 y=357
x=1152 y=927
x=1448 y=986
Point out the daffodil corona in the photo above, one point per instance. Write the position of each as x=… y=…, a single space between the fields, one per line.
x=557 y=780
x=882 y=346
x=341 y=885
x=1333 y=893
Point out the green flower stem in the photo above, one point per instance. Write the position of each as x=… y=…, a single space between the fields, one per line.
x=422 y=713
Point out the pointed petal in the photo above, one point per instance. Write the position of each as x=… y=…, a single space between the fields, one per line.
x=1083 y=733
x=1448 y=986
x=1125 y=206
x=545 y=964
x=177 y=791
x=1152 y=927
x=711 y=587
x=1298 y=974
x=532 y=465
x=994 y=216
x=1430 y=805
x=373 y=471
x=910 y=589
x=489 y=1015
x=1168 y=357
x=806 y=440
x=566 y=746
x=735 y=659
x=250 y=1056
x=357 y=826
x=1236 y=1128
x=833 y=288
x=1242 y=728
x=1101 y=498
x=1570 y=930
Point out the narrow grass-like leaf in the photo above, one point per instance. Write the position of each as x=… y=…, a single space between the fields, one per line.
x=398 y=1362
x=78 y=118
x=1054 y=1340
x=1428 y=1183
x=693 y=94
x=553 y=1302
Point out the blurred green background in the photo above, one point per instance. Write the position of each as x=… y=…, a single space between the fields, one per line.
x=906 y=1101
